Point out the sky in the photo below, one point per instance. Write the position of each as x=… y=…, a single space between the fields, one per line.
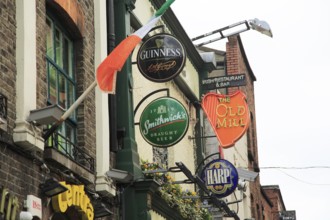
x=291 y=92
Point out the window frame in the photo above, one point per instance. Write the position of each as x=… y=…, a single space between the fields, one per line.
x=68 y=142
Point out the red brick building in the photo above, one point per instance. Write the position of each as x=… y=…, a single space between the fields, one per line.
x=277 y=209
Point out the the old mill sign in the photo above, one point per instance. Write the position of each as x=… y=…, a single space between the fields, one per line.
x=229 y=116
x=164 y=122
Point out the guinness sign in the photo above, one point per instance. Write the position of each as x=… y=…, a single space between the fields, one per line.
x=161 y=58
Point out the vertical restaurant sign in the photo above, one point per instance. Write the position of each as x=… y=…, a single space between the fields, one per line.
x=161 y=58
x=164 y=122
x=229 y=116
x=220 y=177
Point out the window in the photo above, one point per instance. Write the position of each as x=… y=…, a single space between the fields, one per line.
x=61 y=83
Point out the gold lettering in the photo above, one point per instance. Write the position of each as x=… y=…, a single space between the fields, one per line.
x=74 y=196
x=240 y=110
x=90 y=211
x=59 y=203
x=154 y=68
x=230 y=122
x=241 y=122
x=222 y=123
x=15 y=206
x=12 y=204
x=231 y=113
x=235 y=122
x=3 y=200
x=218 y=111
x=68 y=194
x=224 y=99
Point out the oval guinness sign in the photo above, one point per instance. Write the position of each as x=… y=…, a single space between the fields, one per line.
x=161 y=58
x=220 y=177
x=164 y=122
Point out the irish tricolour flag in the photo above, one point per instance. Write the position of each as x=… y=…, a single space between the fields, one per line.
x=107 y=71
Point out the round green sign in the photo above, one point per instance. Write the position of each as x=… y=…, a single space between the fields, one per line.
x=164 y=122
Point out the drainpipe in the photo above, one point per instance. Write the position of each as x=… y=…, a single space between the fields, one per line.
x=111 y=38
x=137 y=195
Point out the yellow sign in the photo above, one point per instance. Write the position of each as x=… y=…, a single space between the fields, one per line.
x=8 y=204
x=74 y=196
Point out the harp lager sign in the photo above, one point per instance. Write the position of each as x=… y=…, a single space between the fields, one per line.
x=220 y=177
x=164 y=122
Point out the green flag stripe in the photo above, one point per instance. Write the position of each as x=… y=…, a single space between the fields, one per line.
x=164 y=7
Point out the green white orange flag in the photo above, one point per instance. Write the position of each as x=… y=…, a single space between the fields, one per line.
x=106 y=73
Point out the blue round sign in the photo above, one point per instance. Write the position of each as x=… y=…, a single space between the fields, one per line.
x=220 y=177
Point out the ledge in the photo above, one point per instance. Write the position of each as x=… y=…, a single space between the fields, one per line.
x=105 y=187
x=58 y=159
x=28 y=137
x=161 y=207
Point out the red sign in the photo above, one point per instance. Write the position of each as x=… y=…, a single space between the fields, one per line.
x=229 y=116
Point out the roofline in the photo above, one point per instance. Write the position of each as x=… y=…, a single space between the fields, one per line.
x=277 y=188
x=176 y=28
x=240 y=43
x=263 y=193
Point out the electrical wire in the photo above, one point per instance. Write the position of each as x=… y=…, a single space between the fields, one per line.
x=300 y=168
x=297 y=168
x=309 y=183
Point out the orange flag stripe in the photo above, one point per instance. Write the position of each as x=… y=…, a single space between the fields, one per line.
x=107 y=71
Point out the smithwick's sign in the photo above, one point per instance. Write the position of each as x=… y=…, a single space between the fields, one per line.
x=75 y=196
x=161 y=58
x=220 y=177
x=164 y=122
x=229 y=116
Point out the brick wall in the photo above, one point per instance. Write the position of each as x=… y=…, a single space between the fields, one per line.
x=274 y=195
x=81 y=28
x=85 y=77
x=8 y=58
x=237 y=63
x=20 y=172
x=41 y=58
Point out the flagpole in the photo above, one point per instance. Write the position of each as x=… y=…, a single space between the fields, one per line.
x=68 y=112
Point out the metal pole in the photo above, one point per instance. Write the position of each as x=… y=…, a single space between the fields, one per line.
x=69 y=111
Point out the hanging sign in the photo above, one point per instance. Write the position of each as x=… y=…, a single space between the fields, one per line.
x=164 y=122
x=220 y=177
x=224 y=82
x=75 y=196
x=229 y=116
x=161 y=58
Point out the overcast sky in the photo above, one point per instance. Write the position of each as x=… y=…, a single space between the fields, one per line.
x=292 y=90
